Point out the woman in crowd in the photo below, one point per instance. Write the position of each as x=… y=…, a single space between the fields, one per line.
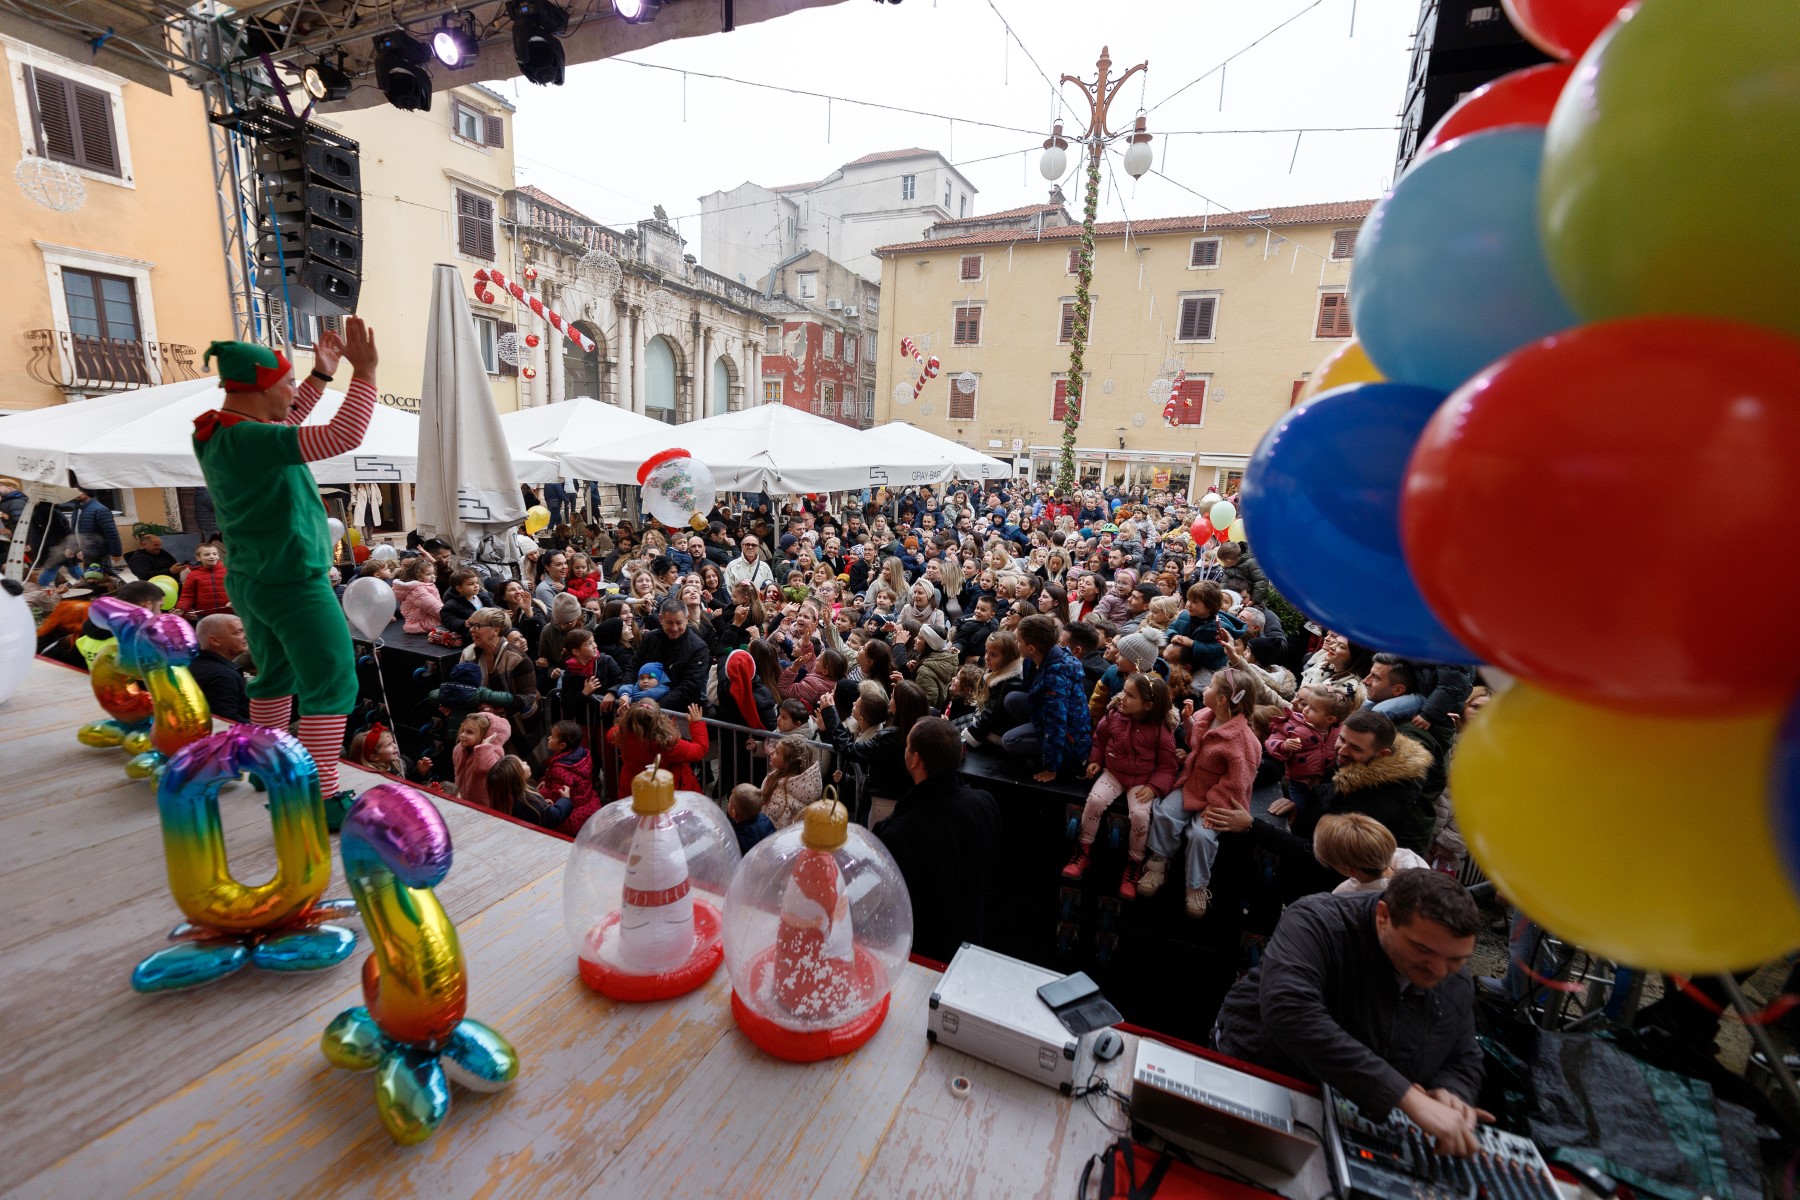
x=505 y=669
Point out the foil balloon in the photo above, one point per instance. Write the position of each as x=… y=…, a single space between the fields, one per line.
x=369 y=606
x=644 y=890
x=536 y=517
x=279 y=925
x=676 y=487
x=18 y=638
x=142 y=680
x=410 y=1029
x=818 y=924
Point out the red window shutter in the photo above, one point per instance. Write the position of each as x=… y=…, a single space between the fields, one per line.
x=1205 y=253
x=971 y=266
x=1190 y=403
x=494 y=133
x=1294 y=396
x=1074 y=260
x=962 y=401
x=1197 y=314
x=1067 y=332
x=1061 y=404
x=1334 y=315
x=1343 y=243
x=55 y=112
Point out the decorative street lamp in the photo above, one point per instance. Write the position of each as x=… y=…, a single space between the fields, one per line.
x=1138 y=157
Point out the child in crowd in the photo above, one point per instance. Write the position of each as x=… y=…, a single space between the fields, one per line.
x=586 y=672
x=480 y=743
x=1129 y=655
x=1361 y=849
x=965 y=690
x=583 y=581
x=652 y=684
x=1306 y=738
x=376 y=568
x=1197 y=629
x=748 y=820
x=509 y=793
x=568 y=772
x=460 y=603
x=1134 y=757
x=644 y=732
x=374 y=749
x=1115 y=606
x=203 y=588
x=882 y=615
x=1156 y=622
x=793 y=781
x=792 y=716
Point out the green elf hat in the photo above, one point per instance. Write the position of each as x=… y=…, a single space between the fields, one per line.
x=246 y=366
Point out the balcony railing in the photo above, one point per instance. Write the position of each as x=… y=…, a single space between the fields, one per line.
x=554 y=222
x=79 y=364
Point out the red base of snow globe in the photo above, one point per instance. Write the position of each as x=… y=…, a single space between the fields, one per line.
x=798 y=1046
x=617 y=984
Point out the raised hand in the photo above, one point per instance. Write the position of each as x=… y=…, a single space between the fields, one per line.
x=327 y=350
x=359 y=347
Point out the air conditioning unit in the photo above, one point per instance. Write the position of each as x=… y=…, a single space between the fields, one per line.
x=834 y=305
x=851 y=312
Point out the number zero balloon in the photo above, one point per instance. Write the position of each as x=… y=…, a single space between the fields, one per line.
x=1597 y=422
x=1643 y=839
x=1712 y=87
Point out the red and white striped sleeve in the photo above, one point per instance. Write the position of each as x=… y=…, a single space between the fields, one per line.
x=344 y=432
x=308 y=395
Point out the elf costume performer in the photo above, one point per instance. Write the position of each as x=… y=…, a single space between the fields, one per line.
x=253 y=452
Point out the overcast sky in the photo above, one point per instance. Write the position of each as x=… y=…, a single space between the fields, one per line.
x=612 y=140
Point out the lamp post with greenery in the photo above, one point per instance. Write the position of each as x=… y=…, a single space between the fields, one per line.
x=1138 y=156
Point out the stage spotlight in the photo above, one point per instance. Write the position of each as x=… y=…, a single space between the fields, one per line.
x=636 y=11
x=326 y=81
x=454 y=45
x=400 y=70
x=536 y=26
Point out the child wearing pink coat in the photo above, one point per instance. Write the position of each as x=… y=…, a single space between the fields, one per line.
x=1222 y=757
x=480 y=743
x=1306 y=740
x=1134 y=757
x=416 y=590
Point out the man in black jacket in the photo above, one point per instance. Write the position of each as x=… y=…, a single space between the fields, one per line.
x=1367 y=992
x=944 y=836
x=682 y=653
x=221 y=638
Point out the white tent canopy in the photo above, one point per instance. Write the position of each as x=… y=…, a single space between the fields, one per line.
x=771 y=448
x=581 y=421
x=143 y=439
x=897 y=440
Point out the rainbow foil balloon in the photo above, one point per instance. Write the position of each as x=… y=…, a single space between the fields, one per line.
x=411 y=1030
x=141 y=678
x=281 y=925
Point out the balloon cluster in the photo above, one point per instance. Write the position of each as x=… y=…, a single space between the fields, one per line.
x=928 y=367
x=153 y=703
x=1533 y=340
x=677 y=489
x=1220 y=522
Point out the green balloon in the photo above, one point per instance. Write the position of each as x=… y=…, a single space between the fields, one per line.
x=1672 y=165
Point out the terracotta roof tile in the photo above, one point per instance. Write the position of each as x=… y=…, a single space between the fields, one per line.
x=796 y=187
x=1340 y=212
x=543 y=197
x=1029 y=210
x=889 y=156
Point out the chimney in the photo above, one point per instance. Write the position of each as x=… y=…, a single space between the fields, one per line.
x=1056 y=196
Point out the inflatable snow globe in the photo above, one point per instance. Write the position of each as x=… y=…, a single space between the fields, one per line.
x=644 y=889
x=818 y=925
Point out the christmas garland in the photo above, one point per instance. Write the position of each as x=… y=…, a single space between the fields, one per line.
x=1072 y=390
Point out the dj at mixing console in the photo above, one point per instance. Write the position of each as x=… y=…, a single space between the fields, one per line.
x=1393 y=1159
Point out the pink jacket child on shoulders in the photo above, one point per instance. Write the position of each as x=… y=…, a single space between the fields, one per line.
x=480 y=743
x=1221 y=763
x=420 y=603
x=1133 y=756
x=1317 y=751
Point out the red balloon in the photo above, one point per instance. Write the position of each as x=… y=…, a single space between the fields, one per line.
x=1563 y=28
x=1201 y=531
x=1600 y=424
x=1521 y=98
x=1222 y=535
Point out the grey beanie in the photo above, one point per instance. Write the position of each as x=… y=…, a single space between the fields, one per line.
x=565 y=608
x=1138 y=650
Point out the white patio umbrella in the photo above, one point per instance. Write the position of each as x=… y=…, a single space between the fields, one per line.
x=772 y=448
x=898 y=439
x=144 y=438
x=581 y=421
x=468 y=489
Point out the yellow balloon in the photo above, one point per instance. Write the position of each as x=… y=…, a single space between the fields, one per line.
x=536 y=518
x=1236 y=532
x=353 y=536
x=1349 y=363
x=1643 y=839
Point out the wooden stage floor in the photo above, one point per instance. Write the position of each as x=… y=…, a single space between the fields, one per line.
x=223 y=1091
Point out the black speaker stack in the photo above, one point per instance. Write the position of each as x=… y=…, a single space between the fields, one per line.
x=1460 y=45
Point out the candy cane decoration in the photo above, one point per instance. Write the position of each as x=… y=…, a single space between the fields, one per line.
x=561 y=326
x=928 y=367
x=1180 y=382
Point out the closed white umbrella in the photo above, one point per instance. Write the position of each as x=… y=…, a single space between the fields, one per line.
x=468 y=491
x=898 y=439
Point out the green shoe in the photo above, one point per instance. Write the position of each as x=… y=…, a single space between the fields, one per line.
x=337 y=807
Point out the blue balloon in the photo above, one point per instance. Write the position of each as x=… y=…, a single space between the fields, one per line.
x=1322 y=495
x=1450 y=271
x=1784 y=793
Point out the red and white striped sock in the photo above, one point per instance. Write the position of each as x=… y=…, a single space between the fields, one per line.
x=323 y=738
x=272 y=713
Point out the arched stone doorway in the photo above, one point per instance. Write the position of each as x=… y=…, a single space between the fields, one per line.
x=722 y=386
x=659 y=380
x=582 y=376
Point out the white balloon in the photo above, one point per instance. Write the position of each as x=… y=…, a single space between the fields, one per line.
x=337 y=529
x=18 y=638
x=368 y=606
x=1223 y=514
x=384 y=553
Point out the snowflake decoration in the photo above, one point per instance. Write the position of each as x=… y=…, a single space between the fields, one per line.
x=600 y=272
x=1106 y=387
x=56 y=186
x=925 y=409
x=1137 y=420
x=508 y=348
x=1171 y=365
x=966 y=381
x=1160 y=390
